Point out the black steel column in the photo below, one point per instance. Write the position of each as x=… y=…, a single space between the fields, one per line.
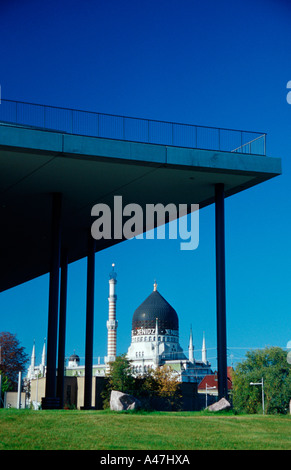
x=220 y=291
x=89 y=324
x=50 y=400
x=62 y=329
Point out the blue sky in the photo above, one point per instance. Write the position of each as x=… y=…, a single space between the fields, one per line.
x=223 y=64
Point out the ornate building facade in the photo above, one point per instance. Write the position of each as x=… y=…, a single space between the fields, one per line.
x=154 y=342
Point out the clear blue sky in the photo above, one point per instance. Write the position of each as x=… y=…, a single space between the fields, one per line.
x=212 y=63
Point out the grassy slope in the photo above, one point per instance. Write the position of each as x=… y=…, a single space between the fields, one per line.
x=53 y=430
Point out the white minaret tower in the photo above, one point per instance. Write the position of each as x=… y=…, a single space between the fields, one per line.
x=43 y=355
x=43 y=359
x=204 y=359
x=32 y=363
x=33 y=357
x=112 y=323
x=191 y=347
x=157 y=341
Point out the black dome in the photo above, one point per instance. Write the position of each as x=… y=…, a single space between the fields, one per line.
x=155 y=307
x=74 y=357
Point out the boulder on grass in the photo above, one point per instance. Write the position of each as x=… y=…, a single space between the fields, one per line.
x=220 y=405
x=120 y=401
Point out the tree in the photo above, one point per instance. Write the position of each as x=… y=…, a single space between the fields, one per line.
x=271 y=364
x=5 y=387
x=119 y=378
x=166 y=380
x=162 y=382
x=12 y=357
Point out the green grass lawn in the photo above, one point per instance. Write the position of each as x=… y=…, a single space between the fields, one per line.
x=105 y=430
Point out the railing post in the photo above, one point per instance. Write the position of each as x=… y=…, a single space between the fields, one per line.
x=148 y=131
x=172 y=133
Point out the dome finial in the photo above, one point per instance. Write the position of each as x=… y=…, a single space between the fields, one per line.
x=155 y=285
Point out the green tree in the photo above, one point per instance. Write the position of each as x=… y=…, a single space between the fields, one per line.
x=12 y=357
x=5 y=387
x=271 y=364
x=120 y=378
x=161 y=382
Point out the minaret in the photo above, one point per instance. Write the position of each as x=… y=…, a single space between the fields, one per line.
x=43 y=357
x=32 y=363
x=191 y=347
x=204 y=359
x=112 y=323
x=156 y=358
x=157 y=342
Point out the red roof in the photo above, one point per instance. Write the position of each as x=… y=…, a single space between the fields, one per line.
x=212 y=381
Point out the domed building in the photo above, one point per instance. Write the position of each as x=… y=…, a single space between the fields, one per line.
x=74 y=361
x=155 y=341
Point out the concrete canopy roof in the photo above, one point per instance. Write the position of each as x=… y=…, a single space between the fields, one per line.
x=89 y=170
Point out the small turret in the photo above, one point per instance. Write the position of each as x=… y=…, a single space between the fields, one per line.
x=32 y=364
x=191 y=347
x=204 y=358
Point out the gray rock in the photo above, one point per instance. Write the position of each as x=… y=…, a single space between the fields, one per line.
x=222 y=404
x=122 y=401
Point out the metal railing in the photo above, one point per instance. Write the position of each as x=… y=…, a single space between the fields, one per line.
x=93 y=124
